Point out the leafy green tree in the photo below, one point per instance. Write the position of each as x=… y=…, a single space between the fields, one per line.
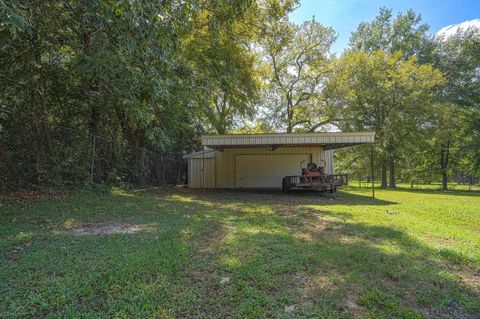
x=458 y=57
x=405 y=33
x=226 y=80
x=298 y=63
x=383 y=93
x=149 y=74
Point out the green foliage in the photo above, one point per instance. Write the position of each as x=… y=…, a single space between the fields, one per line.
x=146 y=74
x=11 y=22
x=382 y=93
x=225 y=78
x=433 y=136
x=297 y=58
x=405 y=33
x=458 y=57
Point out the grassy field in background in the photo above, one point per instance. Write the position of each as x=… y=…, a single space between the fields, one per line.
x=417 y=186
x=189 y=254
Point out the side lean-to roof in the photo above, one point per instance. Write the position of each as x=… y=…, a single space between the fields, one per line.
x=209 y=153
x=326 y=140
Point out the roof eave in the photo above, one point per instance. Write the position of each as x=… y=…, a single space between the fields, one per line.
x=326 y=140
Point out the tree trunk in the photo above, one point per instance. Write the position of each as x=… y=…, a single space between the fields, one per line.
x=93 y=128
x=222 y=123
x=179 y=173
x=41 y=90
x=289 y=124
x=384 y=176
x=158 y=171
x=164 y=172
x=392 y=174
x=142 y=167
x=444 y=154
x=289 y=114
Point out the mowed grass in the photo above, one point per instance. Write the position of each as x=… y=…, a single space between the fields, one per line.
x=220 y=254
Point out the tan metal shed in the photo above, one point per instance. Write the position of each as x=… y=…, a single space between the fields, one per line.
x=201 y=169
x=262 y=160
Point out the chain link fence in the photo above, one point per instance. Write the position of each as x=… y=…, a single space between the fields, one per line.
x=68 y=158
x=118 y=163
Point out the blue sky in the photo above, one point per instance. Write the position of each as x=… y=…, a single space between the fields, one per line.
x=345 y=15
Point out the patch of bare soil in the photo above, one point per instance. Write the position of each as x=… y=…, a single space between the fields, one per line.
x=350 y=302
x=307 y=287
x=471 y=278
x=107 y=229
x=308 y=225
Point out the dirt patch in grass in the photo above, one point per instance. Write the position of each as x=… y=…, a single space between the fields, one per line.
x=312 y=225
x=471 y=278
x=351 y=304
x=107 y=229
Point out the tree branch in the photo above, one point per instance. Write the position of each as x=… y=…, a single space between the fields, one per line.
x=313 y=128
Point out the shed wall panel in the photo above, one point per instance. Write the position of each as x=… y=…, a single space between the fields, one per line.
x=268 y=170
x=195 y=174
x=225 y=160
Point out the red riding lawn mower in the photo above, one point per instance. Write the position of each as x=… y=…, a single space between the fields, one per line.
x=314 y=177
x=312 y=171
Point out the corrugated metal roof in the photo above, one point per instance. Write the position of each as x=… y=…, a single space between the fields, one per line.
x=328 y=140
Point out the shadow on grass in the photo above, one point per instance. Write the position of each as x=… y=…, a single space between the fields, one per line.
x=275 y=252
x=60 y=274
x=298 y=197
x=318 y=262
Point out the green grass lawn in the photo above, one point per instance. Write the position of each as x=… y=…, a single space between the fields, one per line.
x=241 y=255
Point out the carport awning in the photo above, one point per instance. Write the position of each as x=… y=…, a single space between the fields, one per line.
x=325 y=140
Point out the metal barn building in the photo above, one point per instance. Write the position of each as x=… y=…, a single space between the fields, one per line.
x=262 y=160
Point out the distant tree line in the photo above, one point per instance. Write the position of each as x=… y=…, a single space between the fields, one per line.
x=155 y=75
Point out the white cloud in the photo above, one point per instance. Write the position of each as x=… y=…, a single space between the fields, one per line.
x=452 y=29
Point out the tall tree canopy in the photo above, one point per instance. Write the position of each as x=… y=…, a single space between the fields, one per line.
x=405 y=33
x=444 y=144
x=458 y=57
x=404 y=37
x=380 y=92
x=297 y=59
